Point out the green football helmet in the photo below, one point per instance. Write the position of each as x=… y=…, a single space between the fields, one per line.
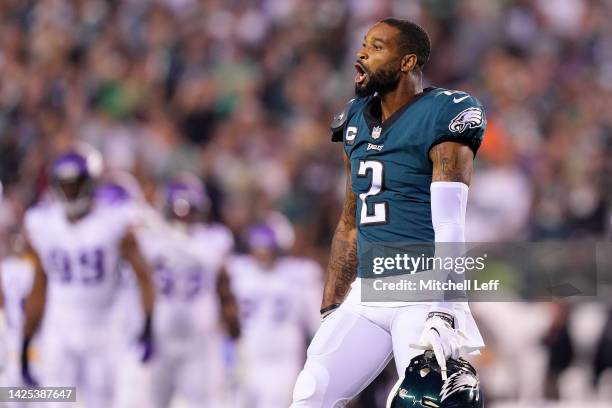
x=422 y=385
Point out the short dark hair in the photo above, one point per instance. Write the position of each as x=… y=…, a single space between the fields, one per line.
x=413 y=39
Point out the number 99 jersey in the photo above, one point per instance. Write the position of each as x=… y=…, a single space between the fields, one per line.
x=80 y=260
x=391 y=171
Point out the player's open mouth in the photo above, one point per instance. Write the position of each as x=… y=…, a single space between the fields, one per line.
x=361 y=74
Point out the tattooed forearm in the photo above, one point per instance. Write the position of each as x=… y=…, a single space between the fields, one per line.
x=452 y=162
x=342 y=267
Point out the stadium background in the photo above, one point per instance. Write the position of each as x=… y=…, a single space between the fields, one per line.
x=241 y=93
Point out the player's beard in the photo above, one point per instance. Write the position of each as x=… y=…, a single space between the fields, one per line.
x=384 y=80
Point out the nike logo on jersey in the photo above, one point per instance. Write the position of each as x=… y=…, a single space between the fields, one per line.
x=457 y=100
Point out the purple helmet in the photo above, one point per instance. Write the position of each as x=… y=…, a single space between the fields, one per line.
x=185 y=198
x=73 y=177
x=262 y=236
x=80 y=163
x=119 y=187
x=113 y=193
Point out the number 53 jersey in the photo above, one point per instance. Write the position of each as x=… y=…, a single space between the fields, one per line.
x=186 y=264
x=80 y=260
x=391 y=170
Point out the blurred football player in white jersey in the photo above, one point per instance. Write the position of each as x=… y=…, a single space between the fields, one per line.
x=122 y=190
x=277 y=298
x=16 y=276
x=195 y=308
x=80 y=242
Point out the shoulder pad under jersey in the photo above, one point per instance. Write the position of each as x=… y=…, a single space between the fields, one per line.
x=337 y=124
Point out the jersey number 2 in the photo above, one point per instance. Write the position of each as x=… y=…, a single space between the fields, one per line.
x=378 y=213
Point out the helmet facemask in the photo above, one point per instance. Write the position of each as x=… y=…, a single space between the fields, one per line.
x=75 y=196
x=74 y=178
x=186 y=201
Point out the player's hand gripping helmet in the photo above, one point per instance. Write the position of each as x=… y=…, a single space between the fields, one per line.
x=422 y=385
x=74 y=176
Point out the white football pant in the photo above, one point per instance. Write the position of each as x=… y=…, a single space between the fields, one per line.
x=353 y=345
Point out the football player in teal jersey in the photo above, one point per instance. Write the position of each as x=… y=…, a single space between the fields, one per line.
x=409 y=153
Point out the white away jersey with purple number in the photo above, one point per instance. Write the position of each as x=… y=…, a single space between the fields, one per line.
x=81 y=259
x=185 y=267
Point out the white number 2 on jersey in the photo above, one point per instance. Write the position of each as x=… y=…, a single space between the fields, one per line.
x=378 y=215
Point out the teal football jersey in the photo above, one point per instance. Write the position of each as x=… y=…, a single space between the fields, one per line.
x=390 y=166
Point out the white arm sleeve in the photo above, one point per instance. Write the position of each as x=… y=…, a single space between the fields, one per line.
x=448 y=205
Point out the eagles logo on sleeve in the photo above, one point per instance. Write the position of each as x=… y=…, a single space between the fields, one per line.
x=467 y=119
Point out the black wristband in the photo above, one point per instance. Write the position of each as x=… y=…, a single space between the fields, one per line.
x=329 y=308
x=147 y=329
x=25 y=345
x=450 y=319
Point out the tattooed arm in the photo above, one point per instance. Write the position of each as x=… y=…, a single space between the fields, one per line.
x=342 y=267
x=452 y=162
x=452 y=171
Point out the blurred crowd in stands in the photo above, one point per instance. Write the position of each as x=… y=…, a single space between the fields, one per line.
x=241 y=93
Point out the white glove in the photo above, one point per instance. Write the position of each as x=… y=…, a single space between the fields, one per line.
x=440 y=336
